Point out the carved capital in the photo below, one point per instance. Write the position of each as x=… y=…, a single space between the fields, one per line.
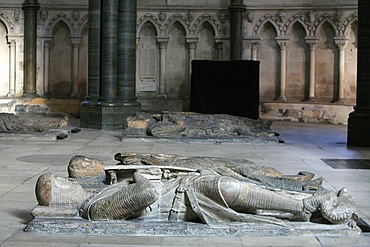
x=192 y=42
x=341 y=42
x=283 y=42
x=162 y=42
x=311 y=42
x=75 y=41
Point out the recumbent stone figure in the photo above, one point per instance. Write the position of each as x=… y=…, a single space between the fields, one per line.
x=171 y=193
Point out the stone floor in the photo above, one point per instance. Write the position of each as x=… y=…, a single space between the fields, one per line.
x=305 y=145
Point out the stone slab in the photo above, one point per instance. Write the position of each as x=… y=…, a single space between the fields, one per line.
x=137 y=228
x=29 y=137
x=203 y=140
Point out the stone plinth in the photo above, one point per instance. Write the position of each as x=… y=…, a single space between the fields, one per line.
x=107 y=118
x=140 y=228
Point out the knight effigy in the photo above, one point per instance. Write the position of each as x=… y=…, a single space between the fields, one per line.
x=204 y=190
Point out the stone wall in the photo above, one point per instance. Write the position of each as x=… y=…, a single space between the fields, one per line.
x=307 y=48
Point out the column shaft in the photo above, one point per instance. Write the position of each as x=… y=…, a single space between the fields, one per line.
x=46 y=67
x=341 y=75
x=312 y=74
x=127 y=52
x=162 y=72
x=30 y=8
x=12 y=68
x=108 y=95
x=236 y=29
x=75 y=69
x=93 y=86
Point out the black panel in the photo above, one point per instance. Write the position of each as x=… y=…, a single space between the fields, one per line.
x=228 y=87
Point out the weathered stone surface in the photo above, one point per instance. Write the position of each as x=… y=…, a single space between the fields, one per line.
x=140 y=228
x=180 y=126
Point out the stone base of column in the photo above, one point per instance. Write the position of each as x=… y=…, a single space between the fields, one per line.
x=359 y=128
x=105 y=118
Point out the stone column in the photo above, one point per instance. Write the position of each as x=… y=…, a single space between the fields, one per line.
x=220 y=49
x=358 y=122
x=46 y=91
x=108 y=94
x=75 y=41
x=237 y=10
x=254 y=50
x=192 y=44
x=341 y=42
x=30 y=8
x=283 y=43
x=311 y=42
x=126 y=87
x=93 y=87
x=12 y=68
x=163 y=42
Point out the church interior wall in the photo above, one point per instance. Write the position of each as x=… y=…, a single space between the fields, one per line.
x=171 y=33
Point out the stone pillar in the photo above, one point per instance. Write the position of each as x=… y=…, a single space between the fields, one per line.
x=163 y=42
x=192 y=44
x=358 y=122
x=112 y=64
x=237 y=10
x=108 y=94
x=126 y=87
x=220 y=49
x=283 y=43
x=46 y=91
x=341 y=42
x=93 y=87
x=254 y=50
x=75 y=41
x=311 y=42
x=30 y=8
x=12 y=68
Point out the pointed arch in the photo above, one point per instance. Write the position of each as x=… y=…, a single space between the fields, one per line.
x=348 y=24
x=82 y=23
x=262 y=22
x=298 y=18
x=56 y=19
x=325 y=18
x=144 y=20
x=206 y=18
x=176 y=18
x=7 y=22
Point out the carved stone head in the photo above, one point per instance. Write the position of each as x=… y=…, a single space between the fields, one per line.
x=162 y=16
x=44 y=15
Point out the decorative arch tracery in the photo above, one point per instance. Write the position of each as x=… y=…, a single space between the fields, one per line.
x=177 y=18
x=206 y=18
x=148 y=18
x=7 y=22
x=267 y=18
x=60 y=17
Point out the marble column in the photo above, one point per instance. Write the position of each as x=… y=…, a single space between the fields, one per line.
x=93 y=87
x=341 y=42
x=12 y=68
x=237 y=10
x=126 y=87
x=30 y=8
x=108 y=93
x=46 y=91
x=311 y=42
x=75 y=41
x=283 y=43
x=162 y=42
x=192 y=44
x=359 y=119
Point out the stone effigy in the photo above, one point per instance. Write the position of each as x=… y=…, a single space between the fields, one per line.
x=168 y=188
x=11 y=123
x=196 y=126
